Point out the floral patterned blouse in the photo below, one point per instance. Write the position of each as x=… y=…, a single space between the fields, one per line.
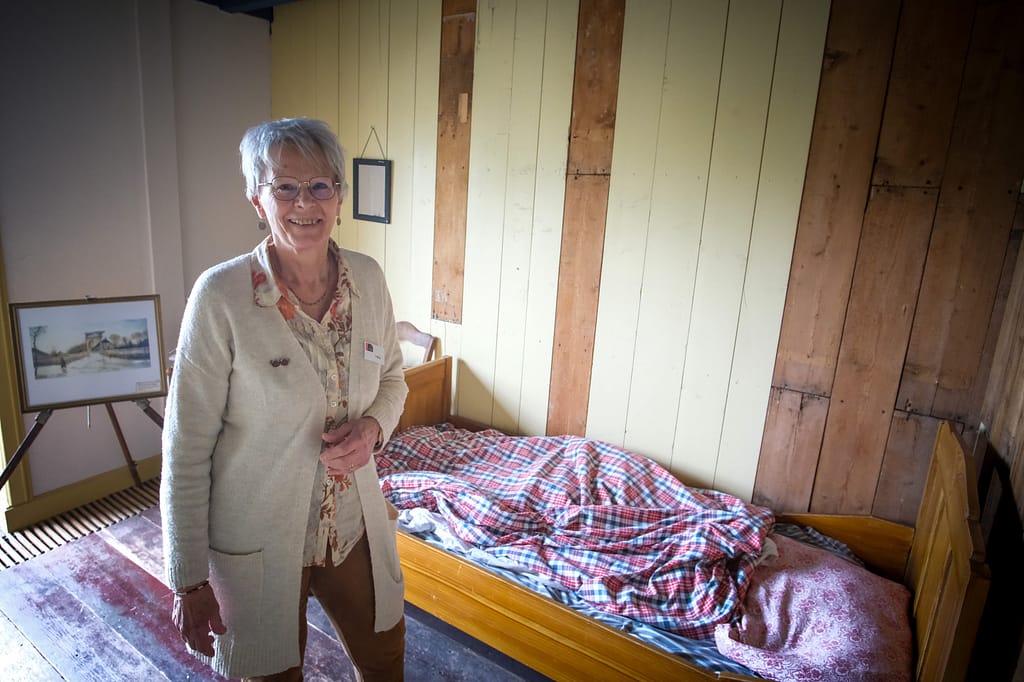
x=336 y=518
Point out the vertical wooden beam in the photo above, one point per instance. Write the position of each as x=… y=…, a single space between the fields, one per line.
x=858 y=49
x=875 y=338
x=591 y=135
x=454 y=118
x=579 y=279
x=596 y=86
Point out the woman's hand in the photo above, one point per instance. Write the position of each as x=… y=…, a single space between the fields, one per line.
x=350 y=446
x=195 y=615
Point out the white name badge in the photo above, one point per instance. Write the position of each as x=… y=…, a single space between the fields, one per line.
x=373 y=352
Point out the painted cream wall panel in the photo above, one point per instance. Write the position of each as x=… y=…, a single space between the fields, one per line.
x=164 y=163
x=488 y=166
x=644 y=38
x=689 y=100
x=293 y=61
x=732 y=184
x=416 y=304
x=790 y=118
x=373 y=82
x=450 y=336
x=549 y=201
x=517 y=221
x=325 y=66
x=401 y=144
x=347 y=70
x=58 y=246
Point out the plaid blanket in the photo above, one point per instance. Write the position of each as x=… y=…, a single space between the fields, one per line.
x=613 y=527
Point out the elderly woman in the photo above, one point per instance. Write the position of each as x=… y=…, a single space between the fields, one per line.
x=287 y=378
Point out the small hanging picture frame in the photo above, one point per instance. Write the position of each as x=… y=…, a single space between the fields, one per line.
x=371 y=196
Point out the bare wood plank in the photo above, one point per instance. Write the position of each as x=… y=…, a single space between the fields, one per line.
x=923 y=87
x=793 y=431
x=591 y=134
x=908 y=452
x=1008 y=357
x=596 y=86
x=858 y=49
x=974 y=216
x=965 y=406
x=454 y=119
x=875 y=337
x=450 y=8
x=579 y=281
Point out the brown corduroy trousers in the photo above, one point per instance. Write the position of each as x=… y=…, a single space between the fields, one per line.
x=346 y=594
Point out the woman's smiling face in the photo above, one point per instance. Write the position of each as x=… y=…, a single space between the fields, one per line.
x=303 y=222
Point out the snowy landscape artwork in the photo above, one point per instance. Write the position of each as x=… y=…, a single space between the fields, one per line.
x=85 y=352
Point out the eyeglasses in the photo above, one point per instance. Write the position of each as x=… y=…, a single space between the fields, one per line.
x=286 y=188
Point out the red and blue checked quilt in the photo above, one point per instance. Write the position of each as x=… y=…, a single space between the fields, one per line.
x=612 y=526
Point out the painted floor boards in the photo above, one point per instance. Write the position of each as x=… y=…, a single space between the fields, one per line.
x=95 y=609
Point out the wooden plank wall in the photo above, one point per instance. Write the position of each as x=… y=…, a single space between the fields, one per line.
x=904 y=253
x=663 y=238
x=889 y=301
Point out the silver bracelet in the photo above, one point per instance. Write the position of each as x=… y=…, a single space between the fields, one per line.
x=190 y=590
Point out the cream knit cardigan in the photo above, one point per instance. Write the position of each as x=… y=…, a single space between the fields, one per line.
x=241 y=445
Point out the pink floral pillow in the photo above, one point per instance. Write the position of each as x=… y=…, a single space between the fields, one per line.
x=810 y=615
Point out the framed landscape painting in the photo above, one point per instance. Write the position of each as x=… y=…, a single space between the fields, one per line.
x=90 y=351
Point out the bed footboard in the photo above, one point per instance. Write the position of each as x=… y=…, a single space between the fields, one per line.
x=946 y=570
x=545 y=635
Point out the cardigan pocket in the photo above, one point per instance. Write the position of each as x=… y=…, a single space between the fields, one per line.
x=238 y=582
x=394 y=564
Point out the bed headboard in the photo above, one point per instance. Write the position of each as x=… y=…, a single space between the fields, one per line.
x=430 y=393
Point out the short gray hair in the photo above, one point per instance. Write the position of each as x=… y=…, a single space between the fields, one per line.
x=262 y=144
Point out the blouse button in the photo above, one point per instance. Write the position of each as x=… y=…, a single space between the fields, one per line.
x=334 y=403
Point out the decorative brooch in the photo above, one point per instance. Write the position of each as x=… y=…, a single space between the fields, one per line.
x=279 y=362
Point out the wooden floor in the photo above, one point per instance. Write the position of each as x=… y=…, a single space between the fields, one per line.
x=95 y=609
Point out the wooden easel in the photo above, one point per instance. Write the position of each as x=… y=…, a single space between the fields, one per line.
x=44 y=415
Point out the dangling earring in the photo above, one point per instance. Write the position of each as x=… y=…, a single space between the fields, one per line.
x=337 y=221
x=261 y=225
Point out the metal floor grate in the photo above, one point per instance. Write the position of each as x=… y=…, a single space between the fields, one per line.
x=22 y=545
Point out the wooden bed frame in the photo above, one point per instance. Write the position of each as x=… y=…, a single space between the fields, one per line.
x=941 y=560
